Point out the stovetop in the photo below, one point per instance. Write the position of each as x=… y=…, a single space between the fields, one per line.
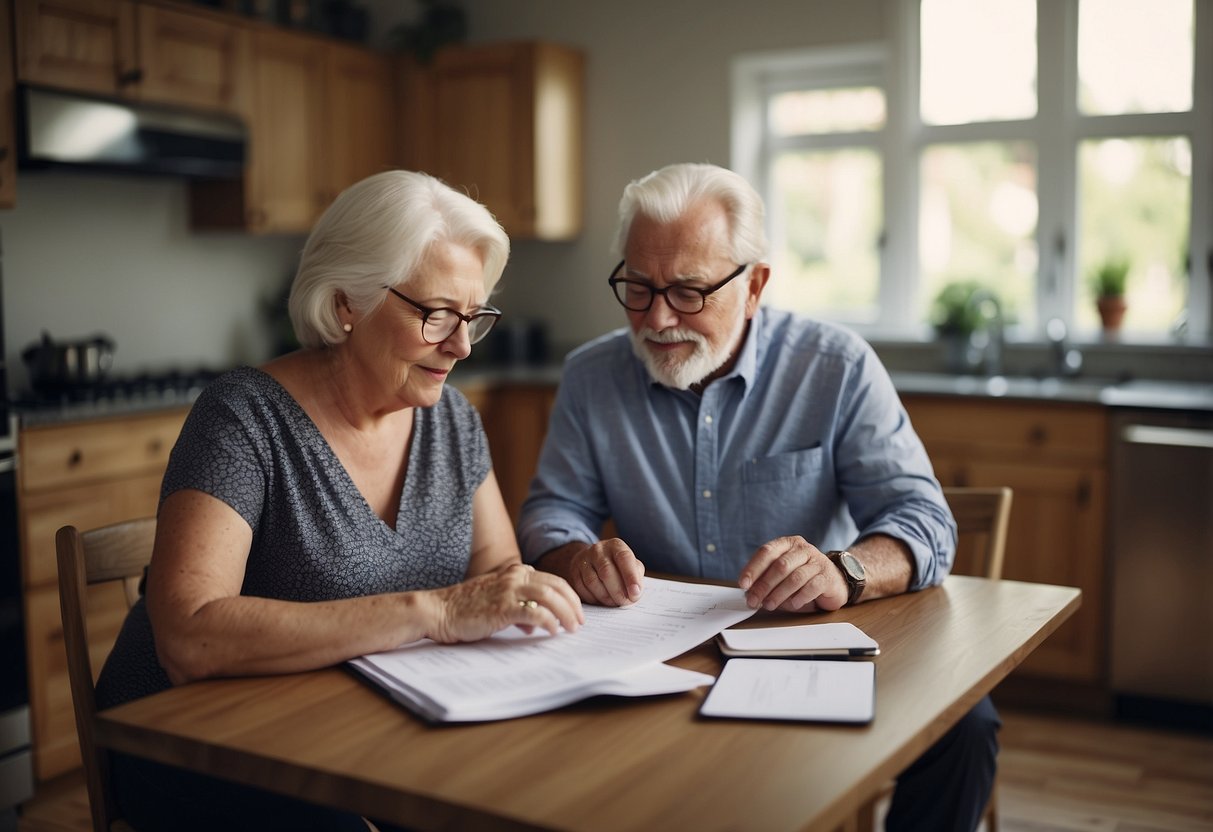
x=112 y=396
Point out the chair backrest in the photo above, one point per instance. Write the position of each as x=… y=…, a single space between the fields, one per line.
x=981 y=516
x=111 y=553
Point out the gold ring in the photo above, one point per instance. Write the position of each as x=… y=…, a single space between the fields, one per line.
x=528 y=604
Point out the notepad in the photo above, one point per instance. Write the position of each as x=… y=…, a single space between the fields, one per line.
x=835 y=640
x=789 y=689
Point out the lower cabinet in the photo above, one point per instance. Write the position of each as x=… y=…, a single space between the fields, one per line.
x=1054 y=458
x=515 y=418
x=85 y=474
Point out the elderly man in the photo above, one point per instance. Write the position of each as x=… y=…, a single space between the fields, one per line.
x=730 y=441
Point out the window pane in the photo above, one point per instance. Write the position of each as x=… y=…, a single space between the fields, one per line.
x=825 y=211
x=977 y=222
x=827 y=111
x=1134 y=200
x=1134 y=56
x=978 y=60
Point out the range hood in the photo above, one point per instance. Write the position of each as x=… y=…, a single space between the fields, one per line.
x=57 y=129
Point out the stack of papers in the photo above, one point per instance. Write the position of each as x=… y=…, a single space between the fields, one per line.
x=618 y=651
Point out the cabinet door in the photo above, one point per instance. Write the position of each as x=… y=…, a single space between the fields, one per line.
x=361 y=135
x=1056 y=536
x=472 y=112
x=85 y=45
x=8 y=114
x=516 y=421
x=192 y=60
x=286 y=164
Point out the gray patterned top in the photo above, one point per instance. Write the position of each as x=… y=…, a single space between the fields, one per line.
x=248 y=443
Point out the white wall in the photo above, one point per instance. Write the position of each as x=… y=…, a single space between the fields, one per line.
x=85 y=253
x=657 y=92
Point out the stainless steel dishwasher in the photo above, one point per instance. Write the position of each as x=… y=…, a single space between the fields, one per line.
x=1162 y=560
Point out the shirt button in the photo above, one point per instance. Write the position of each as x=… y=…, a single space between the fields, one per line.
x=707 y=494
x=711 y=547
x=707 y=419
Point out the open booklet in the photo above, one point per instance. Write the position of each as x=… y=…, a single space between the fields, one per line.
x=618 y=651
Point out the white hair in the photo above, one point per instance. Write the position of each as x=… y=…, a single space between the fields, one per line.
x=667 y=194
x=376 y=234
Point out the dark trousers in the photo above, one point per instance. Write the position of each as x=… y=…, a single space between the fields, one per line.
x=153 y=797
x=946 y=789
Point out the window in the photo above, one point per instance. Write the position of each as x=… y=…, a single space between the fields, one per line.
x=1021 y=144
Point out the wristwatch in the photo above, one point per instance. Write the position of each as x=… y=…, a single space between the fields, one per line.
x=853 y=571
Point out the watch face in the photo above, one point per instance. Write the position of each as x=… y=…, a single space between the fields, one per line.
x=852 y=566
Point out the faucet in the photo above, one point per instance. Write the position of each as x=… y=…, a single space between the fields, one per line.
x=1067 y=360
x=989 y=338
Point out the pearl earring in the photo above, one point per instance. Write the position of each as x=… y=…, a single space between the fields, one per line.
x=348 y=327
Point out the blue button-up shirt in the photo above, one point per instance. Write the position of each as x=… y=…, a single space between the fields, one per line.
x=804 y=436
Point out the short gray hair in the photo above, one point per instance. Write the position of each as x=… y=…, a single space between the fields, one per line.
x=376 y=234
x=667 y=194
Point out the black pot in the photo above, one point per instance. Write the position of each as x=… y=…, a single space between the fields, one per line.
x=62 y=365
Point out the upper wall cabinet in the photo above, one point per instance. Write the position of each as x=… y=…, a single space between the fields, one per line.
x=504 y=122
x=321 y=120
x=8 y=151
x=133 y=50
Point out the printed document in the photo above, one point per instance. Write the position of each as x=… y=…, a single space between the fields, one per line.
x=619 y=650
x=794 y=689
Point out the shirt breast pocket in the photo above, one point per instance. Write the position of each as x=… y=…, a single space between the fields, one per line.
x=778 y=493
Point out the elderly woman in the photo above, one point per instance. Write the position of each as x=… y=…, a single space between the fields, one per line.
x=338 y=500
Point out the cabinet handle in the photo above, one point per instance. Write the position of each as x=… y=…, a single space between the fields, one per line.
x=75 y=458
x=131 y=76
x=154 y=446
x=1084 y=494
x=1038 y=435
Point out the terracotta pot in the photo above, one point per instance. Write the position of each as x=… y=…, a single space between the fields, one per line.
x=1111 y=312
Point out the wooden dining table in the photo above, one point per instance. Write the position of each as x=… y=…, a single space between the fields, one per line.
x=606 y=763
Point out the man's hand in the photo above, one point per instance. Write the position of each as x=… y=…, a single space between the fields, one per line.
x=792 y=575
x=606 y=573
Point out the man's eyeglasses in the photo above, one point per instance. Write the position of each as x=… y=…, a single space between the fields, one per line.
x=637 y=295
x=439 y=324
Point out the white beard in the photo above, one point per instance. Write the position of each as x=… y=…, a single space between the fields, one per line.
x=682 y=374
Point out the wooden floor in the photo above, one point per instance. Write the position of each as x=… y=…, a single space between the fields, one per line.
x=1055 y=773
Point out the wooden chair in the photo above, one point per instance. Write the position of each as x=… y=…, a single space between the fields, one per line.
x=111 y=553
x=982 y=515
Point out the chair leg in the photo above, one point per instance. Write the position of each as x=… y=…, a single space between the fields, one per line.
x=992 y=811
x=865 y=820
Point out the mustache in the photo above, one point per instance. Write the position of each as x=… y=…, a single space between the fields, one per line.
x=670 y=336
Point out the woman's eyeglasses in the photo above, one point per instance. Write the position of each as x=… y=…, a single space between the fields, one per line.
x=439 y=324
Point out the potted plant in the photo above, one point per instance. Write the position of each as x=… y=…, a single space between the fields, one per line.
x=1108 y=284
x=955 y=318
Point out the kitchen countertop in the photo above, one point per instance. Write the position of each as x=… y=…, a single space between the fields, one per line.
x=1137 y=393
x=1140 y=393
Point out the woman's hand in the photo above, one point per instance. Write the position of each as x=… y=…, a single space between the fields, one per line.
x=513 y=594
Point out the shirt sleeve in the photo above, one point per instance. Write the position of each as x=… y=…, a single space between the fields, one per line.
x=218 y=453
x=566 y=502
x=886 y=476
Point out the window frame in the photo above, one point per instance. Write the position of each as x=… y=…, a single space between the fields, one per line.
x=1057 y=131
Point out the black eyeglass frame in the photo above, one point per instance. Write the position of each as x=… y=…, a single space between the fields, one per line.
x=653 y=291
x=489 y=312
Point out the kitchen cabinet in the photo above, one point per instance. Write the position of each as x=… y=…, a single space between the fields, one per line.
x=8 y=114
x=503 y=122
x=142 y=51
x=515 y=418
x=86 y=474
x=1054 y=457
x=360 y=131
x=321 y=120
